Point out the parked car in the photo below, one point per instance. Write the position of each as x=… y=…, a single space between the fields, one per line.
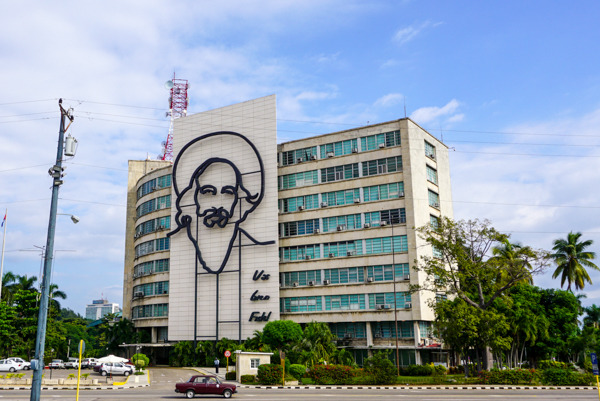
x=24 y=364
x=205 y=384
x=57 y=364
x=89 y=363
x=72 y=363
x=116 y=368
x=8 y=365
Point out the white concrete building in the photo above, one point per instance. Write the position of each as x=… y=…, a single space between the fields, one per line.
x=325 y=226
x=100 y=308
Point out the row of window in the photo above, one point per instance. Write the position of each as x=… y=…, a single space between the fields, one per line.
x=367 y=246
x=153 y=185
x=378 y=301
x=338 y=173
x=341 y=223
x=343 y=197
x=156 y=245
x=150 y=226
x=346 y=275
x=159 y=288
x=162 y=202
x=151 y=267
x=341 y=148
x=154 y=310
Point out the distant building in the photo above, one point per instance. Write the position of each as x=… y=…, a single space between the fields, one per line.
x=100 y=308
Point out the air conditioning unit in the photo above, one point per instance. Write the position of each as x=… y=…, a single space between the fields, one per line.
x=340 y=228
x=329 y=154
x=370 y=279
x=323 y=204
x=326 y=282
x=311 y=283
x=287 y=310
x=313 y=157
x=407 y=305
x=300 y=207
x=383 y=223
x=348 y=336
x=401 y=194
x=384 y=306
x=350 y=253
x=382 y=145
x=295 y=284
x=317 y=231
x=137 y=236
x=307 y=257
x=354 y=150
x=138 y=294
x=431 y=155
x=406 y=277
x=436 y=205
x=299 y=160
x=356 y=200
x=367 y=225
x=165 y=292
x=161 y=227
x=331 y=255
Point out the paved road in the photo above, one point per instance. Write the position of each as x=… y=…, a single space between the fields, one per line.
x=163 y=383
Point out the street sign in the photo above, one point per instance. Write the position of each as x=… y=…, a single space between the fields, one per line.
x=594 y=363
x=227 y=354
x=81 y=347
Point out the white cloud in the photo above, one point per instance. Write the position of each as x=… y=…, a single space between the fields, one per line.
x=405 y=35
x=425 y=115
x=388 y=100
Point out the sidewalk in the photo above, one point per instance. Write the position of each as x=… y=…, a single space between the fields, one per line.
x=132 y=381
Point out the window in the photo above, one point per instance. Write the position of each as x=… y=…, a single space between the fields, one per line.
x=301 y=278
x=339 y=148
x=382 y=166
x=301 y=252
x=345 y=275
x=294 y=204
x=158 y=288
x=380 y=140
x=387 y=299
x=298 y=156
x=383 y=192
x=434 y=199
x=345 y=302
x=302 y=227
x=388 y=329
x=152 y=225
x=340 y=198
x=436 y=252
x=155 y=310
x=254 y=363
x=154 y=266
x=339 y=223
x=393 y=216
x=161 y=244
x=385 y=272
x=298 y=179
x=348 y=330
x=432 y=174
x=434 y=221
x=301 y=304
x=385 y=245
x=425 y=329
x=429 y=150
x=342 y=248
x=339 y=173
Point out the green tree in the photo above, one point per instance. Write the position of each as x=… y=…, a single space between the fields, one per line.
x=7 y=280
x=592 y=317
x=256 y=343
x=54 y=293
x=316 y=345
x=8 y=332
x=572 y=259
x=514 y=256
x=380 y=369
x=282 y=335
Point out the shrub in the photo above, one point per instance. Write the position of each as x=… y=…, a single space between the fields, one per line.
x=331 y=374
x=439 y=370
x=548 y=364
x=85 y=375
x=514 y=376
x=380 y=369
x=248 y=379
x=564 y=377
x=230 y=375
x=269 y=374
x=140 y=360
x=71 y=376
x=297 y=371
x=419 y=370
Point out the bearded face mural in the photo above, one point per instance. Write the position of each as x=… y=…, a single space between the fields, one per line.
x=214 y=200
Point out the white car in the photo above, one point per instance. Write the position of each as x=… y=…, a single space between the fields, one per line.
x=72 y=363
x=116 y=368
x=25 y=365
x=57 y=364
x=7 y=365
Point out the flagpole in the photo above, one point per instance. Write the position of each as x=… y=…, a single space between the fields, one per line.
x=3 y=243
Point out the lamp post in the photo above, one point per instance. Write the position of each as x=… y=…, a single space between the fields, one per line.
x=56 y=172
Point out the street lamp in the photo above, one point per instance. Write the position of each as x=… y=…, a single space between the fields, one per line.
x=67 y=148
x=74 y=218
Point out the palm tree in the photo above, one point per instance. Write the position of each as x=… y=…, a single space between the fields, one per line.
x=317 y=344
x=512 y=258
x=56 y=293
x=7 y=279
x=571 y=259
x=593 y=316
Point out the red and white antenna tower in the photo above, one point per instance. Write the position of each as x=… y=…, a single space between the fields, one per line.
x=178 y=104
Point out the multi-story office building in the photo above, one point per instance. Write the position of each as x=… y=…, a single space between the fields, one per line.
x=347 y=207
x=100 y=308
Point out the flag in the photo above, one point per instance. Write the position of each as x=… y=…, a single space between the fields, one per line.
x=3 y=220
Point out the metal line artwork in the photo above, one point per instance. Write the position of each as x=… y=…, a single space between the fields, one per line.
x=216 y=205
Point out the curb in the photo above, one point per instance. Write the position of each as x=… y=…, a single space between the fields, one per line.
x=418 y=387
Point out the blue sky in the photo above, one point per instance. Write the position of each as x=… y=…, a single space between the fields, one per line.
x=512 y=87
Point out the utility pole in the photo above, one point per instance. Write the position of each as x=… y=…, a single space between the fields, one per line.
x=56 y=172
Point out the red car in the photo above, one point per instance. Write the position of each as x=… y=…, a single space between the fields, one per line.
x=205 y=384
